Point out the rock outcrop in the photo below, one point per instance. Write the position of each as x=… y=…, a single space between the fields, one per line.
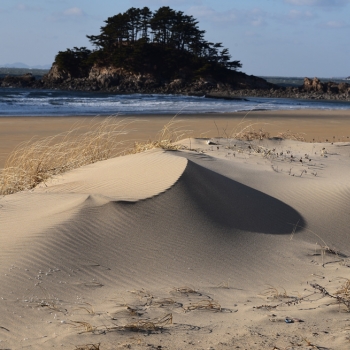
x=26 y=80
x=114 y=79
x=118 y=80
x=315 y=85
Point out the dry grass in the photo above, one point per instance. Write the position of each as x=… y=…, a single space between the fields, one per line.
x=186 y=290
x=89 y=308
x=166 y=302
x=275 y=293
x=341 y=296
x=211 y=305
x=245 y=131
x=289 y=135
x=37 y=160
x=344 y=291
x=249 y=134
x=149 y=325
x=88 y=347
x=167 y=138
x=86 y=326
x=141 y=325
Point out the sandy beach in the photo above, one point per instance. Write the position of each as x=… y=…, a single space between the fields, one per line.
x=223 y=244
x=314 y=125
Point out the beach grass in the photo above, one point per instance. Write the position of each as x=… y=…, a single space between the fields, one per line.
x=36 y=161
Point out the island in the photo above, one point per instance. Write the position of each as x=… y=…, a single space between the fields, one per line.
x=140 y=51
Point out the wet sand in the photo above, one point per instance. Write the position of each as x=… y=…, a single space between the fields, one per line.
x=315 y=125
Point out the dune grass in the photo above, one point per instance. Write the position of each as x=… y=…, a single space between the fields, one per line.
x=149 y=325
x=36 y=161
x=245 y=130
x=204 y=304
x=289 y=135
x=341 y=295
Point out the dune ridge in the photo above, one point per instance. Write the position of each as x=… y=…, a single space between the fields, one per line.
x=211 y=238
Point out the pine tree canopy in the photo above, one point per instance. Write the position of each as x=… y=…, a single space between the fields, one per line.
x=165 y=43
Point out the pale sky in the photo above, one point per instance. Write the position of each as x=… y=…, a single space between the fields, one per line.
x=270 y=37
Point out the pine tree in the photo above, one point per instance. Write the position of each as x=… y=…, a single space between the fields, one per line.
x=163 y=42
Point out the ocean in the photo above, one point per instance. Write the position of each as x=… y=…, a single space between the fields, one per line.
x=30 y=102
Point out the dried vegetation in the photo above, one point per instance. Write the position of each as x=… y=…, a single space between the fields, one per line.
x=289 y=135
x=341 y=296
x=88 y=347
x=36 y=161
x=149 y=325
x=249 y=134
x=205 y=304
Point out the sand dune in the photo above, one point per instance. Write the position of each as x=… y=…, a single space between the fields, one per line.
x=196 y=236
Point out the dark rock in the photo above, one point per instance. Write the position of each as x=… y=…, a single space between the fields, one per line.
x=313 y=85
x=344 y=87
x=119 y=80
x=238 y=86
x=315 y=89
x=26 y=80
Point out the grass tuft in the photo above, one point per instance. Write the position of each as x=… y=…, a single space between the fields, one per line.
x=148 y=325
x=167 y=138
x=289 y=135
x=185 y=290
x=341 y=296
x=88 y=347
x=211 y=305
x=86 y=326
x=249 y=134
x=275 y=293
x=36 y=161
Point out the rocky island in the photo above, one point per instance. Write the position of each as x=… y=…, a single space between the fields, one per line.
x=140 y=51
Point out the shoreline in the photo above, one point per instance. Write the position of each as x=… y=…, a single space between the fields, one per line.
x=315 y=125
x=245 y=87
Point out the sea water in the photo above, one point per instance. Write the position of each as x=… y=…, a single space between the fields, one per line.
x=31 y=102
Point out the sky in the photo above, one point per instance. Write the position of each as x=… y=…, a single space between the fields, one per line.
x=270 y=37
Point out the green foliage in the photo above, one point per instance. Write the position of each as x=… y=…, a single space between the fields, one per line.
x=164 y=43
x=76 y=62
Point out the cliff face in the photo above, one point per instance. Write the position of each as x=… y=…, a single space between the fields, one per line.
x=56 y=76
x=114 y=79
x=315 y=85
x=118 y=80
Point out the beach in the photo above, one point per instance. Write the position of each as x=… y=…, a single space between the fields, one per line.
x=314 y=125
x=223 y=243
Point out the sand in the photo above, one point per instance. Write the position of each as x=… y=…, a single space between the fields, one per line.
x=218 y=246
x=315 y=125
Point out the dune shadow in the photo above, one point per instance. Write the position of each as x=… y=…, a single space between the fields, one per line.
x=229 y=203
